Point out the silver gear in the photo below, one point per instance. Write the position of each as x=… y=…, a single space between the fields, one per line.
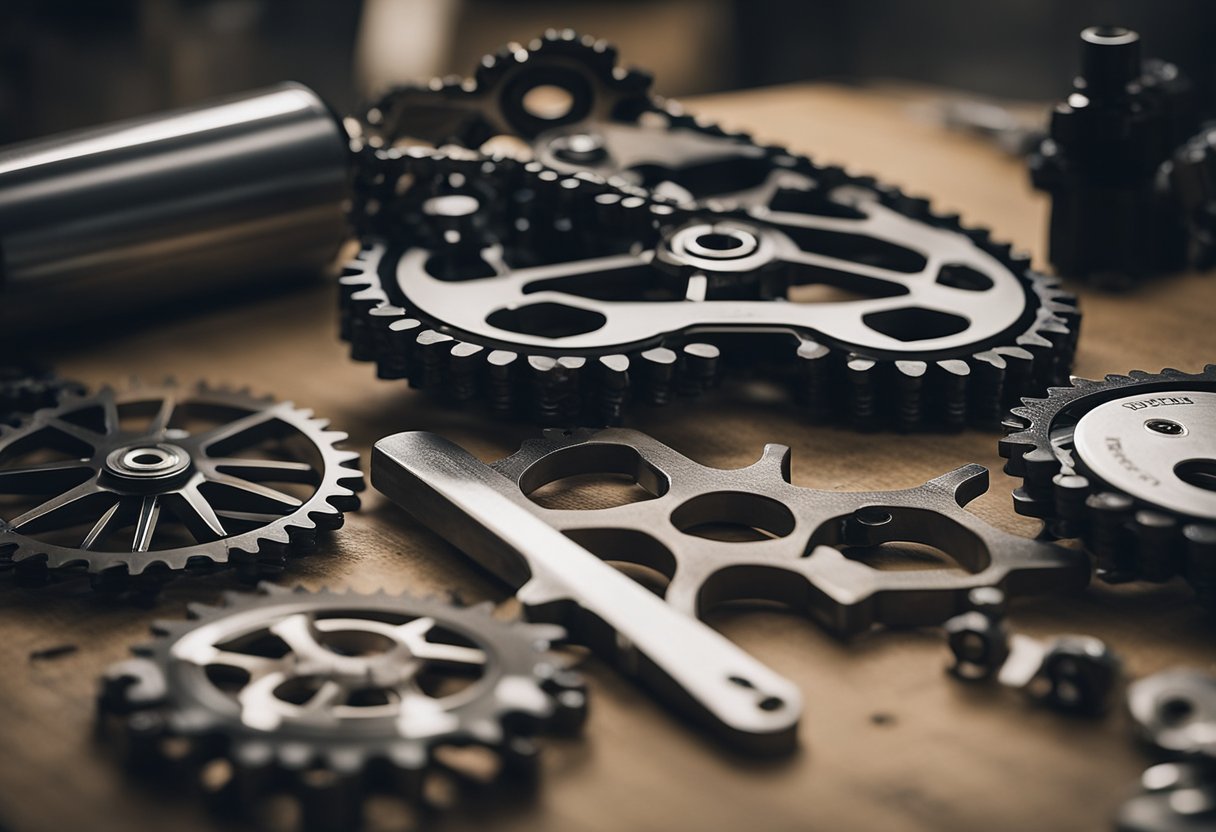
x=285 y=684
x=96 y=476
x=1127 y=465
x=798 y=557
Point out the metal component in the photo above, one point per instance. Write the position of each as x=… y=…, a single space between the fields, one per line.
x=1113 y=218
x=1126 y=464
x=979 y=644
x=1193 y=179
x=155 y=479
x=1176 y=797
x=811 y=541
x=1073 y=674
x=647 y=248
x=1175 y=711
x=507 y=94
x=338 y=696
x=188 y=203
x=556 y=579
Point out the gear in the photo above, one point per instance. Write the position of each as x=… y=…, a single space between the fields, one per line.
x=801 y=546
x=26 y=387
x=337 y=696
x=507 y=94
x=643 y=251
x=156 y=479
x=1127 y=465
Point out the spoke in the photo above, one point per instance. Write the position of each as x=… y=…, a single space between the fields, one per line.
x=103 y=527
x=280 y=501
x=145 y=526
x=272 y=470
x=89 y=437
x=329 y=694
x=43 y=478
x=232 y=430
x=66 y=507
x=109 y=409
x=254 y=665
x=296 y=630
x=160 y=422
x=254 y=517
x=414 y=633
x=198 y=516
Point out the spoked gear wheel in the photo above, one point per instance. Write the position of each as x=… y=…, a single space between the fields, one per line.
x=1127 y=464
x=334 y=697
x=149 y=480
x=650 y=249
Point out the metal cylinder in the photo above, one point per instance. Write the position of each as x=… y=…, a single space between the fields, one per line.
x=176 y=205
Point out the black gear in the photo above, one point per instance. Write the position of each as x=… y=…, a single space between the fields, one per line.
x=334 y=697
x=26 y=387
x=625 y=181
x=495 y=100
x=1133 y=536
x=97 y=478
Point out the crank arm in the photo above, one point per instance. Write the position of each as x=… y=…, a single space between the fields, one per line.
x=692 y=667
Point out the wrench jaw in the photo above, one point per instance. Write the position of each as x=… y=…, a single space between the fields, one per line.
x=700 y=673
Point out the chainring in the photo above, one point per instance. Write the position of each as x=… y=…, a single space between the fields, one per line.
x=644 y=251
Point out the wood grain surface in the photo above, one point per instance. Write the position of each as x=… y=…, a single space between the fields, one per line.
x=888 y=742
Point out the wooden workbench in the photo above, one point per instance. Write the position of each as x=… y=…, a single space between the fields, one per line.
x=888 y=741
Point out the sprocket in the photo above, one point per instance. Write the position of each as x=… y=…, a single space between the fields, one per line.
x=643 y=251
x=334 y=697
x=1127 y=465
x=154 y=479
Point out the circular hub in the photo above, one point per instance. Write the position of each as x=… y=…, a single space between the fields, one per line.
x=153 y=461
x=720 y=247
x=1158 y=447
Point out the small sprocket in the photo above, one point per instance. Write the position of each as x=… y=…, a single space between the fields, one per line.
x=155 y=479
x=1127 y=464
x=335 y=697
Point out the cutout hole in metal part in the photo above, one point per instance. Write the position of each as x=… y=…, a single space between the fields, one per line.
x=548 y=102
x=1200 y=473
x=734 y=517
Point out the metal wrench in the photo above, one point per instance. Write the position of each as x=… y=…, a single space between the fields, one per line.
x=695 y=669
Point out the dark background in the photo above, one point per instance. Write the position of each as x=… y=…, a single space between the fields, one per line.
x=65 y=63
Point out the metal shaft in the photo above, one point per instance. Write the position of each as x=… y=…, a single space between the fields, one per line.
x=682 y=659
x=144 y=212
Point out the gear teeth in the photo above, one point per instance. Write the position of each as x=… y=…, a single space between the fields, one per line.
x=565 y=213
x=143 y=702
x=139 y=574
x=1128 y=539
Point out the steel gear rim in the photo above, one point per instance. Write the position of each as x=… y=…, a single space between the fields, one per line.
x=164 y=693
x=918 y=391
x=1131 y=538
x=332 y=474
